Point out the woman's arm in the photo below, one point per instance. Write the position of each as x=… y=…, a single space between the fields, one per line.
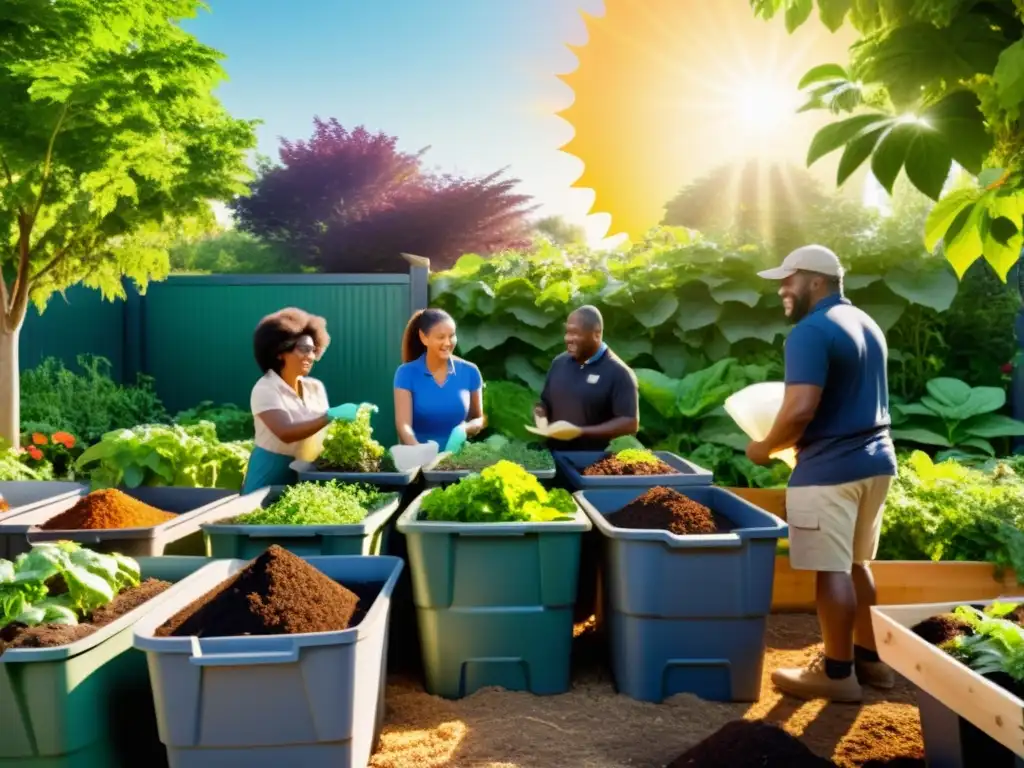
x=288 y=431
x=403 y=417
x=477 y=420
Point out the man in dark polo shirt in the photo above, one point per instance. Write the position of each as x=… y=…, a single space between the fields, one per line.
x=589 y=387
x=836 y=414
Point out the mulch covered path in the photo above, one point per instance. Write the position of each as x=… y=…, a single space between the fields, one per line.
x=593 y=727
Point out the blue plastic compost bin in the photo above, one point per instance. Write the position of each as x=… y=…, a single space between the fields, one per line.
x=687 y=614
x=572 y=464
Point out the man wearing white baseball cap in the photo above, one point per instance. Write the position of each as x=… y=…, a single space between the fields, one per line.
x=836 y=414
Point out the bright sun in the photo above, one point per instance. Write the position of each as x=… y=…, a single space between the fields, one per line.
x=668 y=90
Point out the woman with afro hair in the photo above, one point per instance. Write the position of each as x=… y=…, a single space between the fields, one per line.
x=290 y=410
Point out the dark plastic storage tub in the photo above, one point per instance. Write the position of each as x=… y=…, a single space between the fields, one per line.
x=23 y=495
x=180 y=536
x=436 y=477
x=572 y=464
x=494 y=602
x=369 y=478
x=688 y=614
x=227 y=539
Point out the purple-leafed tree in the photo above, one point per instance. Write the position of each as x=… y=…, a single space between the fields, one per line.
x=351 y=201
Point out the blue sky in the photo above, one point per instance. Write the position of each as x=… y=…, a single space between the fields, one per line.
x=474 y=79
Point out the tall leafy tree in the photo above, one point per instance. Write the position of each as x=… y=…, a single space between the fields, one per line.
x=560 y=231
x=110 y=143
x=351 y=201
x=930 y=83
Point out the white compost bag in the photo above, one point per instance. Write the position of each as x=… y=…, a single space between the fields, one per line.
x=754 y=409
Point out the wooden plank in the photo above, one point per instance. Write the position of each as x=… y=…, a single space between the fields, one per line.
x=986 y=705
x=902 y=582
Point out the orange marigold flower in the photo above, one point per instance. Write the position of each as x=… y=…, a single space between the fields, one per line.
x=39 y=438
x=64 y=438
x=35 y=453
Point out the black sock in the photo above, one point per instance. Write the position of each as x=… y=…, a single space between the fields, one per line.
x=838 y=670
x=863 y=654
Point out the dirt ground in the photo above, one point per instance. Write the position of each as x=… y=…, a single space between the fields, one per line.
x=593 y=727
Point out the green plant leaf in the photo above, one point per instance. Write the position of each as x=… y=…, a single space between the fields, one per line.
x=942 y=216
x=949 y=392
x=696 y=315
x=920 y=436
x=797 y=12
x=857 y=150
x=530 y=314
x=1008 y=78
x=934 y=288
x=835 y=135
x=993 y=425
x=630 y=349
x=963 y=243
x=659 y=390
x=518 y=367
x=739 y=322
x=833 y=12
x=823 y=73
x=886 y=315
x=733 y=291
x=657 y=312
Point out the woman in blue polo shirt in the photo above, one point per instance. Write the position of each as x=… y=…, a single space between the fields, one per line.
x=438 y=396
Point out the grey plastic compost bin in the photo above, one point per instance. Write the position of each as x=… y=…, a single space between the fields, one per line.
x=227 y=539
x=180 y=536
x=438 y=477
x=688 y=614
x=572 y=464
x=494 y=601
x=24 y=495
x=88 y=703
x=313 y=700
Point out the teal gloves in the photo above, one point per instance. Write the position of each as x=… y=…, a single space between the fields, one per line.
x=456 y=439
x=347 y=412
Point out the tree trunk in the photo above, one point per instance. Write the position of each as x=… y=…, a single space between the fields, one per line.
x=10 y=391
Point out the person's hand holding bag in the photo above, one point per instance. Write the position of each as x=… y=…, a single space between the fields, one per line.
x=456 y=439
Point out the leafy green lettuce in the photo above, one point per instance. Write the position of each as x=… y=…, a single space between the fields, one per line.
x=501 y=493
x=61 y=582
x=329 y=503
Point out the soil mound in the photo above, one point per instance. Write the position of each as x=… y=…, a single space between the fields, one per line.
x=664 y=509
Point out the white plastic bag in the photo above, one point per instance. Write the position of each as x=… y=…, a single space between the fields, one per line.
x=408 y=457
x=754 y=409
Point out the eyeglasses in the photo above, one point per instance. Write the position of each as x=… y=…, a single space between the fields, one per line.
x=305 y=349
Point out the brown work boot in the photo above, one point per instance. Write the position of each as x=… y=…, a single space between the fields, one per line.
x=811 y=682
x=877 y=674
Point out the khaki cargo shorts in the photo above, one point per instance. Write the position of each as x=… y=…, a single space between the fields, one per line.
x=831 y=527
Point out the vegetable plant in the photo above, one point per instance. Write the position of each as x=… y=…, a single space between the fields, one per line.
x=501 y=493
x=156 y=454
x=954 y=415
x=60 y=583
x=329 y=503
x=14 y=466
x=476 y=456
x=947 y=511
x=232 y=422
x=349 y=445
x=997 y=645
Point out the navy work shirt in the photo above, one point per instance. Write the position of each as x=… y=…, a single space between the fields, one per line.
x=588 y=394
x=842 y=350
x=437 y=409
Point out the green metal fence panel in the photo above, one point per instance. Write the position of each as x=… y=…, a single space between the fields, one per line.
x=79 y=322
x=197 y=336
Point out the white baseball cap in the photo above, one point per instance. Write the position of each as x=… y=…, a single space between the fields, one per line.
x=809 y=258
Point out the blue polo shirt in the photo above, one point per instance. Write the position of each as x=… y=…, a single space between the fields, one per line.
x=842 y=350
x=438 y=408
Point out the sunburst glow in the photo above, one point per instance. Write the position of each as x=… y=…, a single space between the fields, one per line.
x=667 y=90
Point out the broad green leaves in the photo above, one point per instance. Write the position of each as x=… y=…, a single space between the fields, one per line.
x=671 y=306
x=944 y=82
x=924 y=146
